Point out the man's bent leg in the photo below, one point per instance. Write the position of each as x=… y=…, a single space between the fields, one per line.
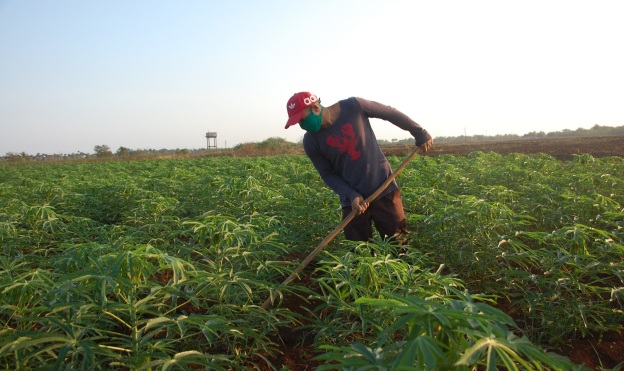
x=388 y=215
x=360 y=228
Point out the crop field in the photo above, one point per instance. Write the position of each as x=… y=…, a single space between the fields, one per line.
x=513 y=261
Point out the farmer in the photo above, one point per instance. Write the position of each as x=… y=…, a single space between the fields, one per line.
x=343 y=148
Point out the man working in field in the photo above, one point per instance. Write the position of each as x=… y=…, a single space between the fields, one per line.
x=343 y=148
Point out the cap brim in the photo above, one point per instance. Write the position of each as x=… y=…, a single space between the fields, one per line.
x=292 y=120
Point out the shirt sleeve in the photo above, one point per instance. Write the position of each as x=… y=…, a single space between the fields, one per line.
x=396 y=117
x=333 y=180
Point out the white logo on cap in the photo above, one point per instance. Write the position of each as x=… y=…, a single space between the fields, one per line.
x=310 y=100
x=292 y=106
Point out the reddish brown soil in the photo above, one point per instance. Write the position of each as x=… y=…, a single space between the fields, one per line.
x=597 y=353
x=296 y=351
x=594 y=351
x=560 y=148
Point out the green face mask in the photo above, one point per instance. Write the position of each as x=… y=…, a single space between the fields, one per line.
x=312 y=123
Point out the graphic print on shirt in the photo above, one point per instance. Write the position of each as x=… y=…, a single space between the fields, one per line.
x=346 y=142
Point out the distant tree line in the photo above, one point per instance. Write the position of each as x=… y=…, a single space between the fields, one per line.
x=276 y=145
x=104 y=152
x=594 y=131
x=100 y=152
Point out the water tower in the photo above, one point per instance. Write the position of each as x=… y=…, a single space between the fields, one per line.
x=211 y=137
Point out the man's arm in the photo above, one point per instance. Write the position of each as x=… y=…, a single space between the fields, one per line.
x=327 y=173
x=398 y=118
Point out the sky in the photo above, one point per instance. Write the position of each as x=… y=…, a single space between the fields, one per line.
x=155 y=74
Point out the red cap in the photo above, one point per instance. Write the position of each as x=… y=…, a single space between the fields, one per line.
x=296 y=104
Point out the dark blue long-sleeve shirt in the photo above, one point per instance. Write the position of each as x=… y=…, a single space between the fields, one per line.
x=347 y=155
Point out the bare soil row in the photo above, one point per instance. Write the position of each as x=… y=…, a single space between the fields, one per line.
x=560 y=148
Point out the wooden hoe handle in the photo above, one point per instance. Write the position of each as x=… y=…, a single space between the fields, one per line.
x=342 y=225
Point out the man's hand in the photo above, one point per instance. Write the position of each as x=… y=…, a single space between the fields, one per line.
x=359 y=205
x=427 y=145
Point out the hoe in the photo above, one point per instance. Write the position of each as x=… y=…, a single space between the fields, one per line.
x=342 y=225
